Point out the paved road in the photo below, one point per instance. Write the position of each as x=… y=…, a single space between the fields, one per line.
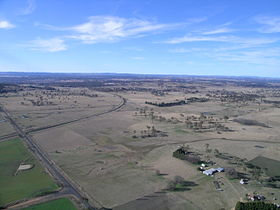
x=52 y=168
x=69 y=188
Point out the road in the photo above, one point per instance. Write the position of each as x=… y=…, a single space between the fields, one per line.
x=68 y=186
x=8 y=136
x=123 y=102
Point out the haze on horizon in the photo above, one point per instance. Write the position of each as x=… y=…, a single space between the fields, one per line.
x=195 y=37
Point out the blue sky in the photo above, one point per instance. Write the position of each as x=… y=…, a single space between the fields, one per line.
x=195 y=37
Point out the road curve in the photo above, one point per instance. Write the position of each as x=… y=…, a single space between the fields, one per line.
x=120 y=105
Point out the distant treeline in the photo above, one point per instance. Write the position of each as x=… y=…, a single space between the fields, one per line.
x=6 y=88
x=177 y=103
x=271 y=102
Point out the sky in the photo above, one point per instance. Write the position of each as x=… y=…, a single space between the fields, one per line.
x=190 y=37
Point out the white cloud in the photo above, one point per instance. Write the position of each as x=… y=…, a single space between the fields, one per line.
x=190 y=38
x=188 y=50
x=29 y=8
x=111 y=28
x=218 y=31
x=6 y=24
x=261 y=56
x=230 y=39
x=180 y=50
x=271 y=24
x=49 y=45
x=257 y=56
x=108 y=28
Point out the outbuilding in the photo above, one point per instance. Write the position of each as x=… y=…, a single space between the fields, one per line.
x=210 y=171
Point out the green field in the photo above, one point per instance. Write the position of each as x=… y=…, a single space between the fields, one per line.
x=59 y=204
x=25 y=184
x=272 y=167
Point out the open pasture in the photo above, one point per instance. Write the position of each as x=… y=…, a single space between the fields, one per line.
x=23 y=184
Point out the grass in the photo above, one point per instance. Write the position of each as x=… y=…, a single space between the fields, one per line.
x=272 y=167
x=25 y=184
x=181 y=131
x=59 y=204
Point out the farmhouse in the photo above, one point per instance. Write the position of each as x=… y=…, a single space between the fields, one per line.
x=220 y=169
x=212 y=171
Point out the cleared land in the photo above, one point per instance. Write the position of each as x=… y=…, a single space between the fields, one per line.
x=25 y=184
x=34 y=109
x=59 y=204
x=272 y=167
x=120 y=168
x=123 y=159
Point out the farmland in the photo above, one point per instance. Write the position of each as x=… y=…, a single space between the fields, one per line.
x=62 y=203
x=272 y=167
x=24 y=184
x=118 y=149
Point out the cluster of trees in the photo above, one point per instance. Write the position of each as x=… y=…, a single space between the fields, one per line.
x=9 y=88
x=177 y=102
x=206 y=123
x=256 y=171
x=168 y=104
x=183 y=154
x=172 y=184
x=258 y=205
x=233 y=97
x=179 y=183
x=197 y=123
x=46 y=95
x=232 y=173
x=150 y=132
x=157 y=93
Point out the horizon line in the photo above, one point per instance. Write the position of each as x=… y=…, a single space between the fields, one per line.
x=142 y=74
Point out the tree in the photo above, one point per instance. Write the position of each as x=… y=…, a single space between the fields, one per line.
x=148 y=127
x=179 y=180
x=200 y=124
x=216 y=152
x=171 y=185
x=158 y=172
x=231 y=173
x=153 y=130
x=256 y=173
x=226 y=118
x=206 y=147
